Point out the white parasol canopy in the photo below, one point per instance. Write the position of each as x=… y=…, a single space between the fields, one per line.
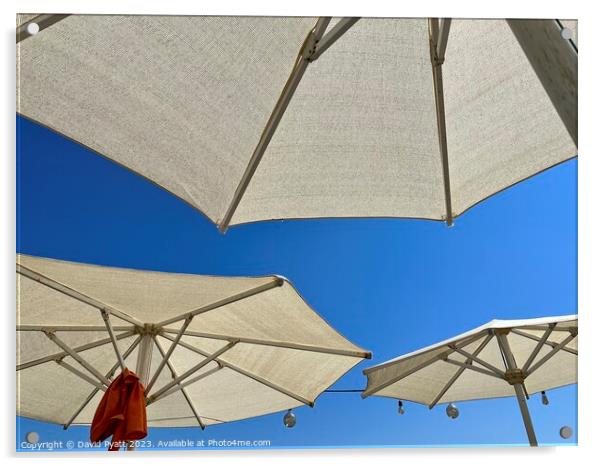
x=501 y=358
x=258 y=118
x=208 y=349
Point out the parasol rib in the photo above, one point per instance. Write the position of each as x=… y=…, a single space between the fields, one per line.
x=95 y=391
x=332 y=36
x=279 y=344
x=547 y=357
x=547 y=343
x=473 y=368
x=244 y=372
x=314 y=46
x=105 y=316
x=459 y=372
x=81 y=375
x=167 y=355
x=158 y=394
x=192 y=380
x=77 y=349
x=75 y=355
x=537 y=348
x=438 y=44
x=543 y=328
x=478 y=360
x=442 y=38
x=554 y=60
x=288 y=91
x=223 y=302
x=180 y=386
x=70 y=328
x=43 y=21
x=420 y=366
x=50 y=283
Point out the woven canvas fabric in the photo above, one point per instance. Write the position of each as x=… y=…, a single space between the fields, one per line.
x=180 y=100
x=501 y=125
x=359 y=138
x=183 y=102
x=146 y=295
x=421 y=376
x=284 y=351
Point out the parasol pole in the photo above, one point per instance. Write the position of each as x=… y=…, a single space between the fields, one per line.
x=143 y=364
x=524 y=410
x=145 y=353
x=515 y=377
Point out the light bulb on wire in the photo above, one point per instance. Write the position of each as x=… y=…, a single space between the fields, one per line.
x=400 y=409
x=289 y=419
x=452 y=411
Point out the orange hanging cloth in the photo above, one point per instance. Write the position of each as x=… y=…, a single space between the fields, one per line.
x=121 y=412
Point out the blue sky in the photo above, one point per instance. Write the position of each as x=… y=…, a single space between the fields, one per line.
x=389 y=285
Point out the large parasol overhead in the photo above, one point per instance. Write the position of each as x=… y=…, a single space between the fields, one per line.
x=257 y=118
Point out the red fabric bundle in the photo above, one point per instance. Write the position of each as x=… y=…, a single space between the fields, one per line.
x=121 y=412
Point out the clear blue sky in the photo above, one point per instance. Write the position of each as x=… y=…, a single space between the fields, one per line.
x=391 y=286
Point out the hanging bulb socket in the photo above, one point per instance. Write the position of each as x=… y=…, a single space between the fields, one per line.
x=400 y=409
x=544 y=399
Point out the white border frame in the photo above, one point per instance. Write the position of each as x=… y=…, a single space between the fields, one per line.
x=590 y=192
